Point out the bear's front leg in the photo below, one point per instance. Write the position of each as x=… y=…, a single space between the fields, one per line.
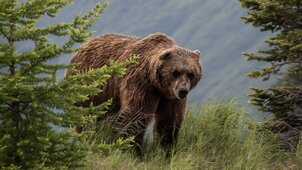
x=131 y=122
x=137 y=111
x=170 y=115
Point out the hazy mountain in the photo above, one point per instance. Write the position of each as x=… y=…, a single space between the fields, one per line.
x=212 y=26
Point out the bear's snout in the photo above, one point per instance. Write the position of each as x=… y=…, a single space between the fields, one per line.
x=182 y=93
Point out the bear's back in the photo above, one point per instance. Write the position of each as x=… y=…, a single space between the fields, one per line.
x=101 y=50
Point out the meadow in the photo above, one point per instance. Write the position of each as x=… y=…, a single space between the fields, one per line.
x=213 y=136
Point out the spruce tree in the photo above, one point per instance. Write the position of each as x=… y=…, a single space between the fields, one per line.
x=283 y=58
x=32 y=100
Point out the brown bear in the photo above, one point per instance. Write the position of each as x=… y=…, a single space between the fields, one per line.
x=155 y=88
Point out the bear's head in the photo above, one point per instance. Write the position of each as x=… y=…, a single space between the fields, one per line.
x=178 y=72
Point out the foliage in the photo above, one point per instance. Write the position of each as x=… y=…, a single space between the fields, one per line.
x=283 y=58
x=33 y=103
x=284 y=55
x=214 y=136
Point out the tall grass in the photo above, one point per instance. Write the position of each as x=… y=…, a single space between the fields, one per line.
x=217 y=136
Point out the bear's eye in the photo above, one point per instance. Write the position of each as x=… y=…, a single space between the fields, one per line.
x=176 y=74
x=191 y=76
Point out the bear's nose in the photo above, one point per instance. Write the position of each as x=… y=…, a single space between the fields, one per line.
x=182 y=93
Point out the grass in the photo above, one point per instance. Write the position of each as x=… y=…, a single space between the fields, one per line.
x=217 y=136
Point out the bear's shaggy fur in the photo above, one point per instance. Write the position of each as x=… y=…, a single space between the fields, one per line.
x=153 y=89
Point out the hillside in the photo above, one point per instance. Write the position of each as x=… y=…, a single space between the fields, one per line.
x=214 y=27
x=222 y=137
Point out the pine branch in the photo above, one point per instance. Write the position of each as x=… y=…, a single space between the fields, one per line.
x=3 y=33
x=29 y=90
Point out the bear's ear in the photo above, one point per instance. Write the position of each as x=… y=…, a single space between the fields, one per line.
x=197 y=52
x=166 y=55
